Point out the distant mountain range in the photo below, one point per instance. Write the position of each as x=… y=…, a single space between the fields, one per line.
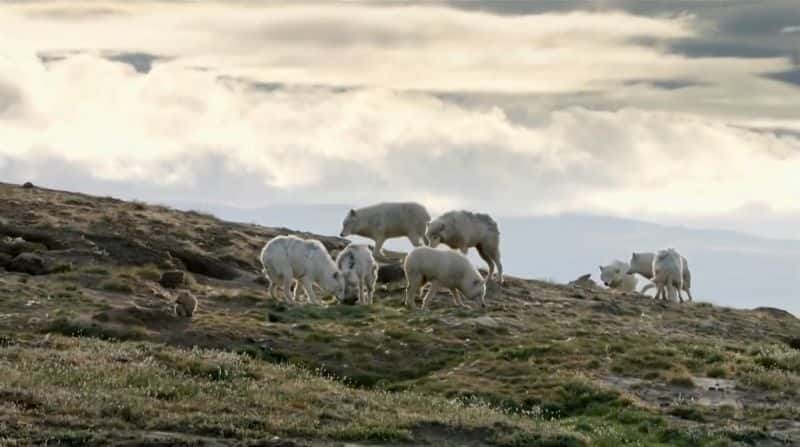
x=728 y=268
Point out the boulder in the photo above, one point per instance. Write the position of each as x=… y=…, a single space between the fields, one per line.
x=29 y=263
x=172 y=279
x=28 y=185
x=487 y=321
x=202 y=264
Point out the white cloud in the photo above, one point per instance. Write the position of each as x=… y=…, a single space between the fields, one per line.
x=411 y=47
x=89 y=123
x=313 y=144
x=791 y=29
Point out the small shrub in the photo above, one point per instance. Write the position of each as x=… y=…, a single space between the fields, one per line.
x=524 y=353
x=706 y=354
x=688 y=413
x=522 y=439
x=770 y=379
x=779 y=357
x=97 y=271
x=582 y=398
x=124 y=412
x=63 y=267
x=717 y=372
x=138 y=206
x=680 y=379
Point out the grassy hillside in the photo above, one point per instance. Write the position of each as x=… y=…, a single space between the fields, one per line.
x=90 y=351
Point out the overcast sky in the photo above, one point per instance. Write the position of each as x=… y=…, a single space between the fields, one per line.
x=682 y=112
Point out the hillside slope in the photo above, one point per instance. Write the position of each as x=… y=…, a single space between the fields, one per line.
x=91 y=353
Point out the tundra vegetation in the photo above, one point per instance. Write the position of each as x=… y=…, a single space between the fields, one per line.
x=94 y=354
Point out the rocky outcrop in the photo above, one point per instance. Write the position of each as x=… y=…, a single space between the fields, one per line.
x=29 y=263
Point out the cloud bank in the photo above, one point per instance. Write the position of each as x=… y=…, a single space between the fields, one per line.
x=249 y=104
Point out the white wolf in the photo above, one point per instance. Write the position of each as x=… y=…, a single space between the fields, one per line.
x=442 y=268
x=462 y=230
x=616 y=276
x=387 y=220
x=289 y=258
x=642 y=263
x=360 y=271
x=667 y=273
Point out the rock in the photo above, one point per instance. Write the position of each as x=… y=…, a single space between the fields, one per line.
x=29 y=263
x=487 y=321
x=5 y=259
x=388 y=273
x=204 y=265
x=172 y=279
x=28 y=185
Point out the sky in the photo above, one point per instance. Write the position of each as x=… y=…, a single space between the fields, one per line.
x=675 y=112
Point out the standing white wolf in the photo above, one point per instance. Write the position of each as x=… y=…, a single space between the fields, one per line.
x=442 y=268
x=462 y=230
x=360 y=271
x=616 y=276
x=387 y=220
x=642 y=263
x=289 y=258
x=667 y=273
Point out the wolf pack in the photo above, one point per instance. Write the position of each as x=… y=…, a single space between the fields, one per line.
x=293 y=265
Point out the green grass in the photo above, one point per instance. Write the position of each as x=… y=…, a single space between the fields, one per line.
x=76 y=328
x=123 y=386
x=148 y=273
x=118 y=285
x=97 y=270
